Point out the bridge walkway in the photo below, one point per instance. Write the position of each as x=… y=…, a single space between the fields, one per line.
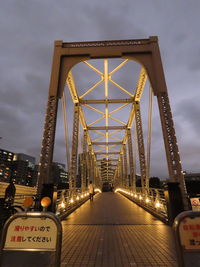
x=113 y=231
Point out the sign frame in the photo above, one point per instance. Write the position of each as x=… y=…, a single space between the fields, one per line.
x=186 y=257
x=41 y=215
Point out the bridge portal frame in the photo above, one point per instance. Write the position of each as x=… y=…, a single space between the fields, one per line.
x=145 y=52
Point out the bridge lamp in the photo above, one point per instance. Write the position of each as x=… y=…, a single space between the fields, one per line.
x=140 y=197
x=71 y=200
x=77 y=198
x=135 y=195
x=82 y=196
x=157 y=204
x=147 y=200
x=62 y=205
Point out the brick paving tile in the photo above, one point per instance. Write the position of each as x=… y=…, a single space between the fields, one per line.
x=112 y=231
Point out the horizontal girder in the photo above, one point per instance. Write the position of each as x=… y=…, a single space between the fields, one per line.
x=106 y=143
x=107 y=128
x=107 y=153
x=108 y=160
x=109 y=101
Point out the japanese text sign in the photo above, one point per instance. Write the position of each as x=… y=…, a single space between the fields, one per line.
x=31 y=233
x=189 y=230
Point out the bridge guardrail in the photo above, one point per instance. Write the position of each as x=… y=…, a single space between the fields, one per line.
x=152 y=200
x=65 y=203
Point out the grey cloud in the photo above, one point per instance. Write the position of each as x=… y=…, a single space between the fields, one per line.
x=28 y=30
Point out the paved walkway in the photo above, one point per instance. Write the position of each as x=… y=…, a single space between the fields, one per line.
x=113 y=231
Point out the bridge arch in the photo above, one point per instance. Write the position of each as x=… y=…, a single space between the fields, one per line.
x=144 y=51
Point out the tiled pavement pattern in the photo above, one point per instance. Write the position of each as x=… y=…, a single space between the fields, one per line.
x=113 y=231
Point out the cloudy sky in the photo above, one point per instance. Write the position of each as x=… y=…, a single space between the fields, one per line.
x=28 y=29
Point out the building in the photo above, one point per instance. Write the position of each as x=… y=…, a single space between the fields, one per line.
x=24 y=157
x=23 y=167
x=16 y=167
x=58 y=175
x=6 y=159
x=192 y=181
x=192 y=176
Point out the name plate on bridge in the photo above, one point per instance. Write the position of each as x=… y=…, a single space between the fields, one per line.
x=31 y=233
x=190 y=233
x=187 y=234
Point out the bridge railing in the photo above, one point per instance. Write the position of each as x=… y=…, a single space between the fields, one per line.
x=152 y=200
x=65 y=203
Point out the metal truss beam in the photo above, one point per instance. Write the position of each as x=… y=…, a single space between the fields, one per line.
x=140 y=85
x=141 y=149
x=125 y=176
x=106 y=143
x=131 y=162
x=107 y=153
x=46 y=155
x=73 y=167
x=107 y=128
x=171 y=146
x=121 y=169
x=104 y=101
x=83 y=163
x=109 y=160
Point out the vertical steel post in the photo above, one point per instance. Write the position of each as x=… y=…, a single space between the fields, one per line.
x=141 y=150
x=73 y=167
x=46 y=155
x=125 y=166
x=171 y=147
x=131 y=162
x=84 y=167
x=121 y=169
x=90 y=163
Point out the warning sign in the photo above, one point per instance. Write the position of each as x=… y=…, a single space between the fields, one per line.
x=31 y=233
x=189 y=231
x=195 y=204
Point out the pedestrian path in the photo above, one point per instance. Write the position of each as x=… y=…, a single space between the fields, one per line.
x=113 y=231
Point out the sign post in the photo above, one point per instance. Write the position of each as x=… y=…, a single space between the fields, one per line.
x=187 y=234
x=31 y=239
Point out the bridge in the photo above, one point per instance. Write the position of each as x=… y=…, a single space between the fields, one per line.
x=131 y=225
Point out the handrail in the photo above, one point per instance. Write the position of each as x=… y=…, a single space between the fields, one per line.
x=152 y=200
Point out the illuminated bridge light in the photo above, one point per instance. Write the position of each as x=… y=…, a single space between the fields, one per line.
x=147 y=200
x=97 y=190
x=157 y=205
x=62 y=205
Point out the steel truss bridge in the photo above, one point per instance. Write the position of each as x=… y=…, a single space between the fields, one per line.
x=107 y=137
x=111 y=133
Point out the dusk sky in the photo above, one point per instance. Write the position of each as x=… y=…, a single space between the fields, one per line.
x=28 y=29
